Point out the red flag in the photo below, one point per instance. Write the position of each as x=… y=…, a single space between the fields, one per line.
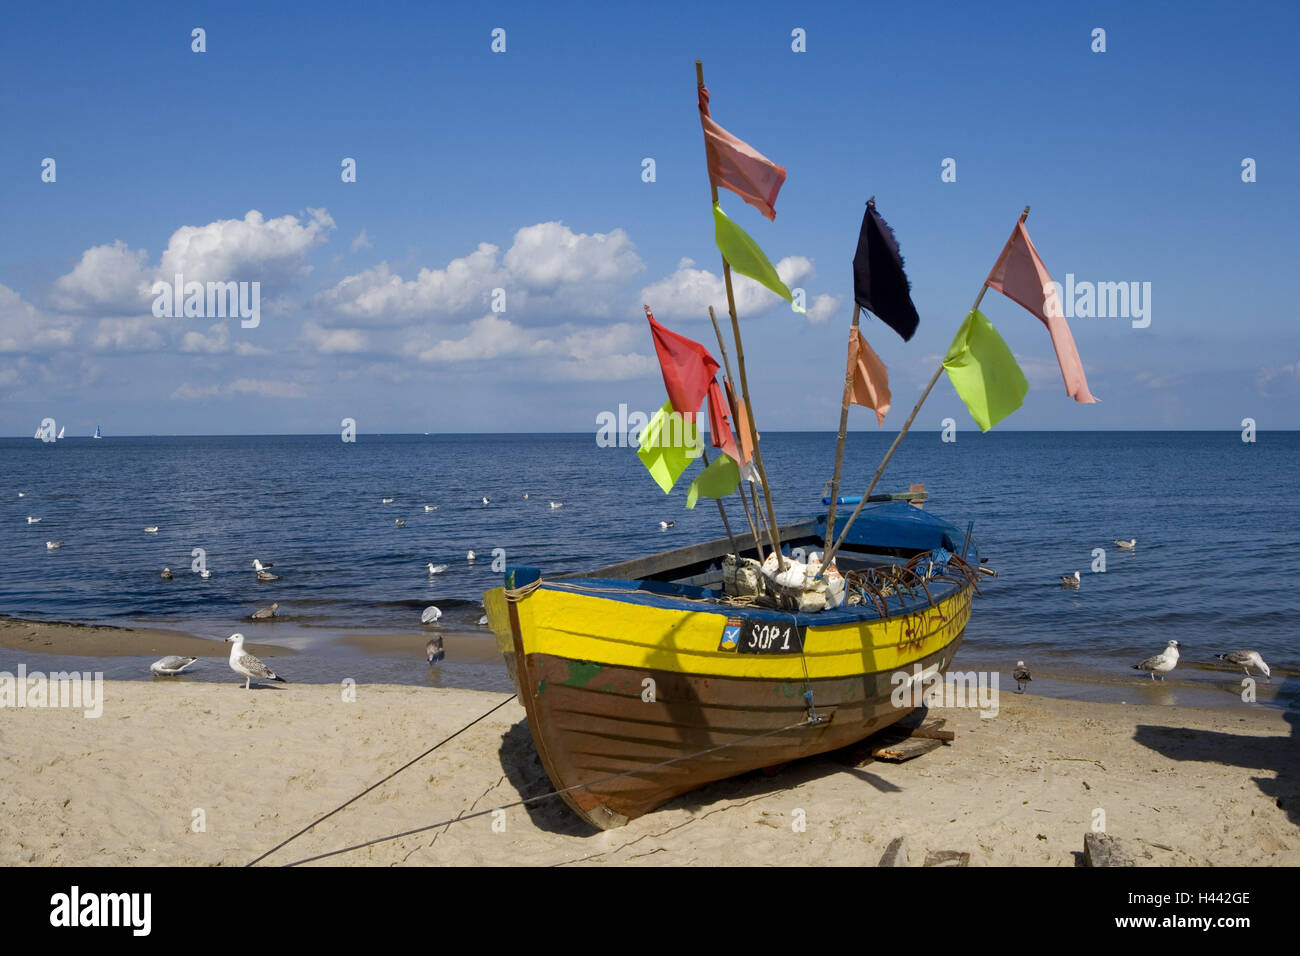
x=735 y=165
x=1021 y=276
x=687 y=366
x=870 y=379
x=719 y=431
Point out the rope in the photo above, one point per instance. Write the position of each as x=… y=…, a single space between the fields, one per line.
x=520 y=803
x=385 y=780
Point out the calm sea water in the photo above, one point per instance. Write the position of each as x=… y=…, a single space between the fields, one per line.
x=1216 y=521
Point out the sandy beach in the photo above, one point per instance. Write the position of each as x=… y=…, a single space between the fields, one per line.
x=206 y=774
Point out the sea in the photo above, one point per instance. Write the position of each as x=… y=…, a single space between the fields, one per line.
x=1216 y=520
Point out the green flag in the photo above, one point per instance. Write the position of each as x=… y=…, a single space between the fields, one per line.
x=716 y=481
x=984 y=372
x=745 y=256
x=668 y=446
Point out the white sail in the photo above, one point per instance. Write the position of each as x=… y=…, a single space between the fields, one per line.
x=97 y=432
x=62 y=430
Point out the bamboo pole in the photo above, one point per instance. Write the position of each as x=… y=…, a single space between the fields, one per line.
x=722 y=511
x=735 y=417
x=844 y=427
x=826 y=559
x=773 y=535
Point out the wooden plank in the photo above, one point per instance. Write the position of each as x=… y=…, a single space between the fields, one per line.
x=905 y=749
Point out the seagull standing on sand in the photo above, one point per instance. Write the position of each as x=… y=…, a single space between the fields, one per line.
x=247 y=666
x=1021 y=676
x=171 y=666
x=1162 y=663
x=1128 y=545
x=265 y=613
x=1246 y=660
x=1071 y=580
x=434 y=650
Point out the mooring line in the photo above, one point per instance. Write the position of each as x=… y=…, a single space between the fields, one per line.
x=383 y=781
x=519 y=803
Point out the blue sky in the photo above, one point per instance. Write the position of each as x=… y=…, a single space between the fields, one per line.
x=479 y=170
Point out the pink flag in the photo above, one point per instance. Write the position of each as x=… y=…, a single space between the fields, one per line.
x=719 y=431
x=737 y=166
x=870 y=380
x=1021 y=276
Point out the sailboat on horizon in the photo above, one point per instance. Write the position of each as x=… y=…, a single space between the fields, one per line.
x=62 y=430
x=98 y=433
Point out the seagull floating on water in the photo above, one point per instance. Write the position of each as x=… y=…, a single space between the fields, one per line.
x=665 y=525
x=385 y=501
x=1162 y=663
x=31 y=520
x=259 y=566
x=267 y=576
x=400 y=523
x=482 y=621
x=1021 y=676
x=434 y=650
x=525 y=496
x=430 y=615
x=1246 y=660
x=1128 y=545
x=22 y=494
x=487 y=501
x=469 y=556
x=205 y=574
x=51 y=545
x=555 y=505
x=430 y=507
x=171 y=666
x=152 y=529
x=1071 y=580
x=263 y=614
x=247 y=666
x=166 y=574
x=436 y=568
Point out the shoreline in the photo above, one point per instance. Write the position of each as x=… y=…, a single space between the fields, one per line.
x=1178 y=785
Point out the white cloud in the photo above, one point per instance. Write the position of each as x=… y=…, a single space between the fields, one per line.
x=549 y=254
x=382 y=297
x=25 y=328
x=139 y=334
x=362 y=241
x=262 y=388
x=688 y=292
x=248 y=249
x=216 y=340
x=109 y=277
x=489 y=337
x=333 y=341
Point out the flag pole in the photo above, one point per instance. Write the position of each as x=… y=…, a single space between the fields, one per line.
x=735 y=417
x=722 y=511
x=773 y=534
x=830 y=553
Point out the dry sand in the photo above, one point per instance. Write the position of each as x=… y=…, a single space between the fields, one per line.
x=1181 y=785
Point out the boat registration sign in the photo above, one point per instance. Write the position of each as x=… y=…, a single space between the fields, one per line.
x=755 y=636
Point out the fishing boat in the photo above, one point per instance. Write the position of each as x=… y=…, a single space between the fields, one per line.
x=647 y=679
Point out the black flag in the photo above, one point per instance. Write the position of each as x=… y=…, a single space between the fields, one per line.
x=879 y=283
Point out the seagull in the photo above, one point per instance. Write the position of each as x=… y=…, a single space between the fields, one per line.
x=385 y=501
x=482 y=621
x=51 y=545
x=469 y=556
x=436 y=568
x=263 y=614
x=1021 y=676
x=400 y=523
x=31 y=520
x=525 y=496
x=1128 y=545
x=430 y=615
x=487 y=501
x=259 y=566
x=430 y=508
x=434 y=651
x=205 y=574
x=665 y=525
x=267 y=576
x=166 y=574
x=22 y=494
x=556 y=505
x=152 y=529
x=171 y=666
x=246 y=665
x=1071 y=580
x=1162 y=663
x=1246 y=660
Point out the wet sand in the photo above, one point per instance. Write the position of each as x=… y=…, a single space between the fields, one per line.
x=210 y=774
x=98 y=640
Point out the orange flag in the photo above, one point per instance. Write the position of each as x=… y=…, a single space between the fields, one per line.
x=870 y=380
x=735 y=165
x=1021 y=276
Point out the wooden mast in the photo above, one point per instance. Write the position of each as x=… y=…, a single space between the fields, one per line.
x=772 y=532
x=830 y=553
